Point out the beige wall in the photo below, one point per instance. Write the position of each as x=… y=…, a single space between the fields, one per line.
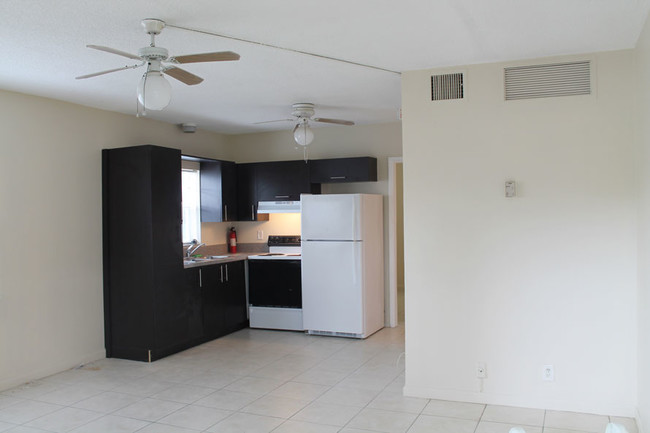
x=548 y=277
x=643 y=136
x=51 y=315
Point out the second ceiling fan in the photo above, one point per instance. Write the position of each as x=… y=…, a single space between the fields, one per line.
x=303 y=113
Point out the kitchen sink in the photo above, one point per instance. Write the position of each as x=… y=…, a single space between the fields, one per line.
x=188 y=260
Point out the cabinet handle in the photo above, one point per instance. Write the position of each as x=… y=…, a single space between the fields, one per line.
x=225 y=211
x=281 y=196
x=252 y=212
x=221 y=269
x=226 y=273
x=200 y=278
x=338 y=177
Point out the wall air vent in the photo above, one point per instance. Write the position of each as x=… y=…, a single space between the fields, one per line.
x=446 y=86
x=545 y=81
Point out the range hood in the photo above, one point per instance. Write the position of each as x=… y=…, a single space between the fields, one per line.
x=278 y=206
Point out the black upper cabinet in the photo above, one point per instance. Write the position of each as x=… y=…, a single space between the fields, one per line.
x=338 y=170
x=218 y=190
x=283 y=181
x=229 y=190
x=270 y=181
x=246 y=198
x=145 y=301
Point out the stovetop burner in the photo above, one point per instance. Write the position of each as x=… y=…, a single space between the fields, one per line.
x=281 y=248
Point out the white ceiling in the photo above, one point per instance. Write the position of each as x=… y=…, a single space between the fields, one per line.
x=43 y=49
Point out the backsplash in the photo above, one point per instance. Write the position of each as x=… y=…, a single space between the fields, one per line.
x=278 y=224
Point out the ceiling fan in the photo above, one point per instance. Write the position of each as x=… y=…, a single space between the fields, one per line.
x=303 y=113
x=154 y=92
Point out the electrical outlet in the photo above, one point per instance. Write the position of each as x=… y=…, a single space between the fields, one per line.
x=481 y=370
x=260 y=235
x=548 y=374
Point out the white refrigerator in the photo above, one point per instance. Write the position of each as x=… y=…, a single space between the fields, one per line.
x=342 y=264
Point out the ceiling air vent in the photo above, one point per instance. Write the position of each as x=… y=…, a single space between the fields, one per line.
x=446 y=86
x=545 y=81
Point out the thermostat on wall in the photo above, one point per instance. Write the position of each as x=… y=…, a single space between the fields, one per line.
x=511 y=189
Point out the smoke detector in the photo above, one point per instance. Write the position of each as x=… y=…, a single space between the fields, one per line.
x=188 y=128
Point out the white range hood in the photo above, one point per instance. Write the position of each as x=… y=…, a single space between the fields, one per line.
x=278 y=206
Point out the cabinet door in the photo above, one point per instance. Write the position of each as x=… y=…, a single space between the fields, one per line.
x=234 y=299
x=282 y=181
x=338 y=170
x=194 y=305
x=246 y=197
x=212 y=287
x=170 y=298
x=218 y=191
x=229 y=190
x=211 y=195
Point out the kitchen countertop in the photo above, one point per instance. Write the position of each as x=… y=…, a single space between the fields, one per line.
x=216 y=259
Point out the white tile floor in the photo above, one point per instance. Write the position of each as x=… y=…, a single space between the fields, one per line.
x=261 y=381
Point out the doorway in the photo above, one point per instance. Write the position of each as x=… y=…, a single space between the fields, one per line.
x=396 y=240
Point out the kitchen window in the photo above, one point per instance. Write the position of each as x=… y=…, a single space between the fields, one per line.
x=191 y=190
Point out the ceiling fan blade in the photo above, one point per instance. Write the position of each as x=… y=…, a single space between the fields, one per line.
x=114 y=51
x=182 y=75
x=220 y=56
x=108 y=71
x=336 y=121
x=273 y=121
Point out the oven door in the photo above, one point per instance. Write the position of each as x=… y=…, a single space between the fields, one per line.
x=274 y=283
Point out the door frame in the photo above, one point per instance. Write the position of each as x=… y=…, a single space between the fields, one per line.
x=392 y=239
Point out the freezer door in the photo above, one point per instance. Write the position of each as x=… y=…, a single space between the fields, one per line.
x=332 y=287
x=331 y=217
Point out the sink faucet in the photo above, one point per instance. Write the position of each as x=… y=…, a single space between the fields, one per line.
x=193 y=246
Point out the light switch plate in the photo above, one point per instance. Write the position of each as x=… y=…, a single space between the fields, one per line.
x=511 y=188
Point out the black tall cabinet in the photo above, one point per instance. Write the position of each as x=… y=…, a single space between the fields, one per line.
x=146 y=306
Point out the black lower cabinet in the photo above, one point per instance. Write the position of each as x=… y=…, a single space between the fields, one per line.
x=194 y=304
x=234 y=297
x=212 y=279
x=222 y=298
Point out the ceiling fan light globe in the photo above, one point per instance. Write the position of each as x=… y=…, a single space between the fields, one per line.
x=154 y=91
x=303 y=134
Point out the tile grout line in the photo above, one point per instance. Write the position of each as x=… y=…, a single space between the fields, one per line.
x=480 y=418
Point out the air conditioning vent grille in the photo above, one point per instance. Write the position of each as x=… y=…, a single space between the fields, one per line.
x=545 y=81
x=447 y=86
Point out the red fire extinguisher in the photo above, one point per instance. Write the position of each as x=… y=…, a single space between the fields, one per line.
x=233 y=240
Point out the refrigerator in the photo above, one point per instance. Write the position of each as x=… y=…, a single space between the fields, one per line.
x=342 y=264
